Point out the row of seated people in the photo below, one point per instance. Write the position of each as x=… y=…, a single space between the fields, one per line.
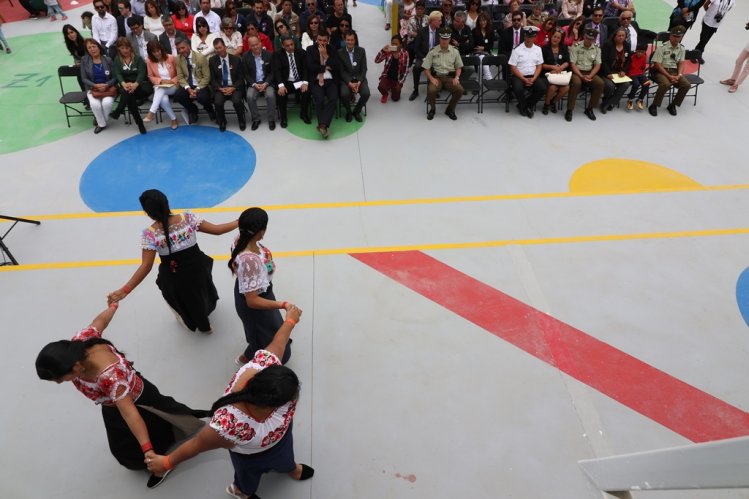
x=319 y=74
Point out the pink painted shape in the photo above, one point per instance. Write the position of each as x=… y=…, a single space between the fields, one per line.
x=681 y=407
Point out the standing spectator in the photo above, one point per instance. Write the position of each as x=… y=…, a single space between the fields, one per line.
x=685 y=13
x=104 y=27
x=3 y=42
x=33 y=13
x=637 y=67
x=353 y=70
x=183 y=20
x=97 y=73
x=668 y=71
x=395 y=71
x=571 y=9
x=585 y=62
x=740 y=70
x=133 y=85
x=715 y=12
x=162 y=71
x=443 y=66
x=323 y=73
x=525 y=64
x=53 y=8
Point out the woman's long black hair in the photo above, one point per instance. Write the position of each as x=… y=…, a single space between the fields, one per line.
x=77 y=48
x=57 y=359
x=156 y=206
x=251 y=221
x=272 y=387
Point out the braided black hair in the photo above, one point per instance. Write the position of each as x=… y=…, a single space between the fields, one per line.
x=251 y=221
x=156 y=206
x=272 y=387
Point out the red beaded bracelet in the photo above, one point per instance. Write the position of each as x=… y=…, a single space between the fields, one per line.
x=127 y=289
x=146 y=447
x=283 y=304
x=292 y=321
x=114 y=305
x=167 y=463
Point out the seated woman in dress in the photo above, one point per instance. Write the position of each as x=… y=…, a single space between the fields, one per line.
x=253 y=420
x=556 y=60
x=309 y=36
x=231 y=37
x=184 y=278
x=97 y=74
x=102 y=373
x=162 y=71
x=615 y=61
x=152 y=19
x=574 y=31
x=183 y=19
x=132 y=82
x=202 y=39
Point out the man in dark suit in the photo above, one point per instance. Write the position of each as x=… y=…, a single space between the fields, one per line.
x=258 y=74
x=426 y=39
x=126 y=13
x=170 y=36
x=290 y=74
x=322 y=70
x=139 y=37
x=513 y=36
x=353 y=63
x=596 y=22
x=227 y=83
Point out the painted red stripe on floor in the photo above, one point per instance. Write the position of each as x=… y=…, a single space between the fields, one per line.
x=688 y=411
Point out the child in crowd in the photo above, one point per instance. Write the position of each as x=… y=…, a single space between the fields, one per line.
x=3 y=41
x=637 y=71
x=53 y=8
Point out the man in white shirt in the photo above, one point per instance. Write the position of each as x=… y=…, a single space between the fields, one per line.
x=213 y=19
x=104 y=28
x=525 y=64
x=715 y=11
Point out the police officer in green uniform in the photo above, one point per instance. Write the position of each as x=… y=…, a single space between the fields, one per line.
x=667 y=71
x=443 y=66
x=585 y=62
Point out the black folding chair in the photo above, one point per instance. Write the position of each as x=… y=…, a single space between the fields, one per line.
x=695 y=80
x=73 y=102
x=497 y=83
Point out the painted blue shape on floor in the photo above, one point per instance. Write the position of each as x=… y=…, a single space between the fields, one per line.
x=195 y=166
x=742 y=295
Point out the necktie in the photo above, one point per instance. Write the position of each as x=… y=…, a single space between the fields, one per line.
x=517 y=39
x=431 y=39
x=225 y=73
x=293 y=74
x=189 y=74
x=598 y=36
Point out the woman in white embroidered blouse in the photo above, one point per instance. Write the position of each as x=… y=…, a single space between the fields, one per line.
x=254 y=300
x=252 y=420
x=102 y=373
x=184 y=276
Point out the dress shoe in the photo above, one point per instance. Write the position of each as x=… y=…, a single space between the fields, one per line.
x=148 y=118
x=640 y=105
x=307 y=120
x=272 y=125
x=545 y=109
x=212 y=115
x=154 y=480
x=568 y=116
x=590 y=114
x=323 y=131
x=193 y=117
x=349 y=117
x=222 y=127
x=413 y=95
x=672 y=109
x=114 y=115
x=451 y=114
x=553 y=107
x=357 y=117
x=630 y=105
x=255 y=125
x=653 y=110
x=603 y=109
x=521 y=110
x=142 y=128
x=701 y=60
x=284 y=123
x=174 y=124
x=98 y=129
x=430 y=114
x=529 y=112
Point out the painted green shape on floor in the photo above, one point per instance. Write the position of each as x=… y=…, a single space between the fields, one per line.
x=654 y=14
x=338 y=128
x=30 y=114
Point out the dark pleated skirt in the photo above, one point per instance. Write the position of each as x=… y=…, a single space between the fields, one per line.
x=260 y=326
x=186 y=284
x=166 y=419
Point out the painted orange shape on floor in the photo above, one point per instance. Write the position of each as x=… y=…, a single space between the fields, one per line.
x=655 y=394
x=617 y=175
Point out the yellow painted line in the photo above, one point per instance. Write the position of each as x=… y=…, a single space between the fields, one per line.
x=416 y=247
x=402 y=202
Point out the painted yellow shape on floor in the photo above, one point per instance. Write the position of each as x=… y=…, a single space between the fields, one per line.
x=615 y=174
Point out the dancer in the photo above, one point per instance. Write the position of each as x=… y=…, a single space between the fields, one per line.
x=253 y=420
x=254 y=300
x=184 y=276
x=138 y=419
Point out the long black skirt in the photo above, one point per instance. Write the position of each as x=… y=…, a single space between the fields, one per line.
x=166 y=419
x=186 y=284
x=260 y=326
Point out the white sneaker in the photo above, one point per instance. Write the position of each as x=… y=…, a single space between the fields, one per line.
x=233 y=491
